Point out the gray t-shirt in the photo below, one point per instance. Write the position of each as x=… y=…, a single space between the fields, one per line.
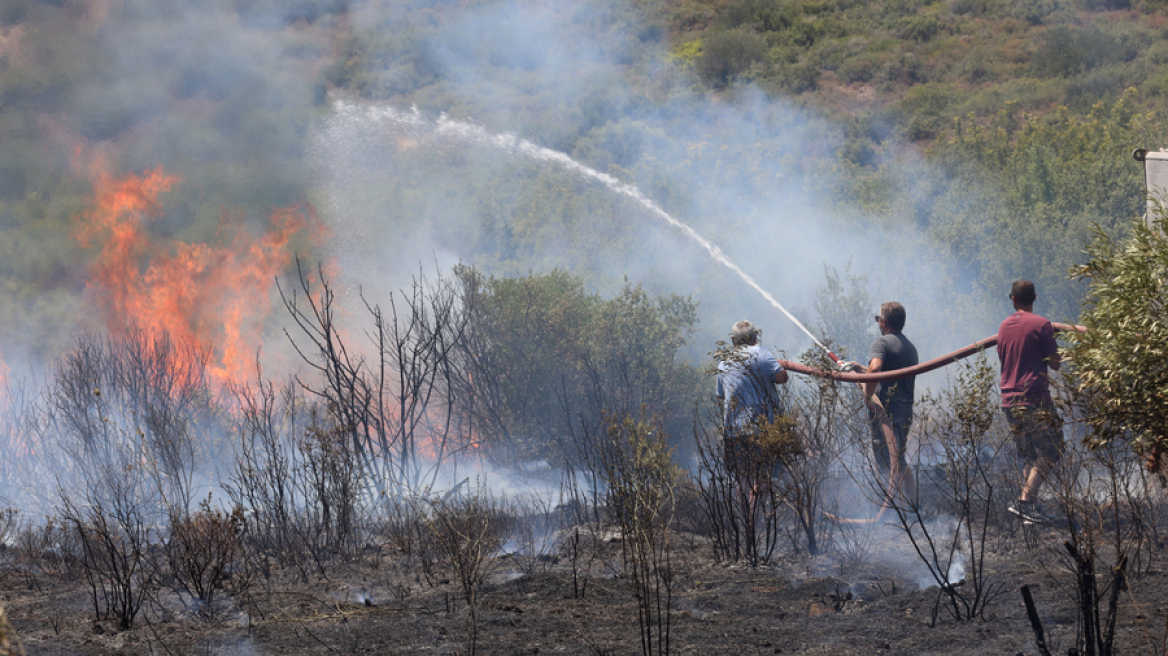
x=896 y=352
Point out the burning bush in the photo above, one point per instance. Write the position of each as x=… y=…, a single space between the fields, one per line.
x=138 y=400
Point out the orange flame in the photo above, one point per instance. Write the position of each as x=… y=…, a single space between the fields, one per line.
x=4 y=373
x=211 y=294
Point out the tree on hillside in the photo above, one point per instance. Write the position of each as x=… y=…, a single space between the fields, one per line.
x=543 y=361
x=1120 y=365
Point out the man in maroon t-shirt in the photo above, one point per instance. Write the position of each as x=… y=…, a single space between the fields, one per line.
x=1026 y=348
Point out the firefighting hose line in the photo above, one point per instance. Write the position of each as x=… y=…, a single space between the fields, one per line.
x=843 y=374
x=924 y=367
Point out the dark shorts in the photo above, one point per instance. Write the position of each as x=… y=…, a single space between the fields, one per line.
x=900 y=416
x=1038 y=431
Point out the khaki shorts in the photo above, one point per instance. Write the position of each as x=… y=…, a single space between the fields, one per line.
x=1038 y=431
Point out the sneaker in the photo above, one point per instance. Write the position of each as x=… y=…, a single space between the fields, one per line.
x=1030 y=513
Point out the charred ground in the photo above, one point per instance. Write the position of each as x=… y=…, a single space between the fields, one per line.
x=797 y=604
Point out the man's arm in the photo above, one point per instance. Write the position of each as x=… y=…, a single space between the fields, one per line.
x=1055 y=361
x=875 y=366
x=781 y=376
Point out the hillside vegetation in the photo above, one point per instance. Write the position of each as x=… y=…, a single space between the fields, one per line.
x=998 y=131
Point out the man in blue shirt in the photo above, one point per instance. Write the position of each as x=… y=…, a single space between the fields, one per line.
x=746 y=387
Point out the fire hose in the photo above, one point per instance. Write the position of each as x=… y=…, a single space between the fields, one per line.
x=844 y=375
x=924 y=367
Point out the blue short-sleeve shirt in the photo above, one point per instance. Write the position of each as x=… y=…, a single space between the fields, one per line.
x=746 y=384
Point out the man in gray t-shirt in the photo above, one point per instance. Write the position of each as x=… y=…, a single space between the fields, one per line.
x=895 y=351
x=890 y=403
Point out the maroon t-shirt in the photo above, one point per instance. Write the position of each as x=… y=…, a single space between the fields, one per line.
x=1025 y=341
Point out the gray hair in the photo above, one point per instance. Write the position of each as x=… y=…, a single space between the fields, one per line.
x=893 y=314
x=744 y=332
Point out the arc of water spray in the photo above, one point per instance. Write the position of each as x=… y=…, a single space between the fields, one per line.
x=466 y=132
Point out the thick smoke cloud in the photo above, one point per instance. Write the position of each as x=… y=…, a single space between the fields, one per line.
x=753 y=174
x=223 y=95
x=231 y=97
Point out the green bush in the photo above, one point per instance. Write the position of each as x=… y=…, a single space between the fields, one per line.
x=1039 y=12
x=1120 y=365
x=547 y=359
x=861 y=69
x=1060 y=52
x=761 y=15
x=921 y=28
x=727 y=55
x=1066 y=50
x=1100 y=84
x=790 y=78
x=926 y=110
x=619 y=143
x=971 y=7
x=1055 y=177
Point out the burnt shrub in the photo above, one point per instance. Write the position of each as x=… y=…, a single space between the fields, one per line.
x=115 y=531
x=139 y=393
x=204 y=553
x=471 y=528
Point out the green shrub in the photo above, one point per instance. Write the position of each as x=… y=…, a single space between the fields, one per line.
x=545 y=359
x=861 y=69
x=727 y=55
x=762 y=15
x=1120 y=364
x=920 y=28
x=926 y=110
x=1055 y=177
x=1100 y=85
x=1060 y=52
x=790 y=78
x=971 y=7
x=860 y=152
x=1038 y=12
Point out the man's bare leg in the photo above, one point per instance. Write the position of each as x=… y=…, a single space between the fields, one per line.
x=901 y=481
x=1035 y=475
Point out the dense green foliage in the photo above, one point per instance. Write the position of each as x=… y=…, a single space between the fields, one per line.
x=1119 y=366
x=547 y=361
x=1056 y=177
x=928 y=60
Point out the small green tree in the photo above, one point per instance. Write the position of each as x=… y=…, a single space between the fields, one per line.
x=638 y=467
x=1120 y=364
x=542 y=357
x=843 y=304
